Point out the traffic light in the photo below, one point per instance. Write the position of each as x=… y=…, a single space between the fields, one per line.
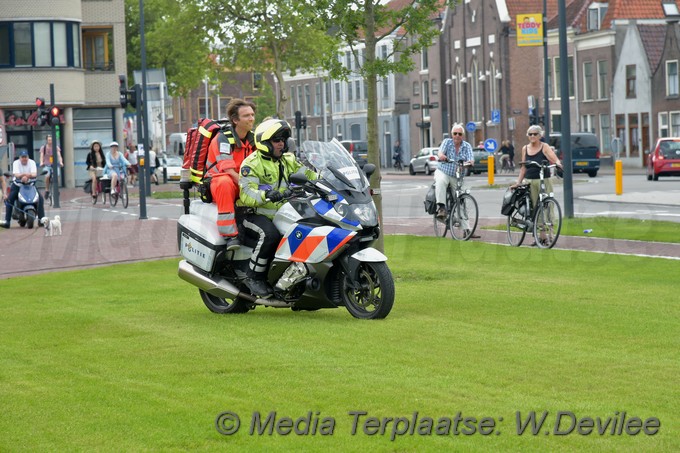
x=298 y=119
x=55 y=115
x=43 y=117
x=303 y=122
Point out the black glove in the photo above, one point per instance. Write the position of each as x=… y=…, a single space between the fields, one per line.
x=287 y=193
x=273 y=195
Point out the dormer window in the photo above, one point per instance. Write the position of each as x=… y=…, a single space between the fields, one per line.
x=596 y=12
x=670 y=9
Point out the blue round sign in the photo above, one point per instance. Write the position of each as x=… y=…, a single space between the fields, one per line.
x=471 y=126
x=490 y=145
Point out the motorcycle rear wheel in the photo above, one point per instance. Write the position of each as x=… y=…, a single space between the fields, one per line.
x=375 y=294
x=222 y=306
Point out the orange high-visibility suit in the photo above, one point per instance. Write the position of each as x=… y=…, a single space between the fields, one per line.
x=225 y=155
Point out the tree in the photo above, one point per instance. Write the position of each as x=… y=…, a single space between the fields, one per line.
x=411 y=26
x=176 y=39
x=275 y=36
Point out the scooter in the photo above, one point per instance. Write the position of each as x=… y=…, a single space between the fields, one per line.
x=324 y=259
x=25 y=207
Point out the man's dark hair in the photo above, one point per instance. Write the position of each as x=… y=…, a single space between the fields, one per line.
x=234 y=106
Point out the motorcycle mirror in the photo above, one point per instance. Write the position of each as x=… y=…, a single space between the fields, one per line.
x=299 y=179
x=369 y=169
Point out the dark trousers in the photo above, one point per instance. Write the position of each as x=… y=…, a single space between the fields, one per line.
x=258 y=232
x=13 y=195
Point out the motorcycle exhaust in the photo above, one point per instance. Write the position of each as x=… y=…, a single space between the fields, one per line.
x=219 y=287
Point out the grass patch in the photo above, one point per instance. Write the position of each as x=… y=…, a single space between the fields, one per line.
x=162 y=195
x=126 y=358
x=616 y=228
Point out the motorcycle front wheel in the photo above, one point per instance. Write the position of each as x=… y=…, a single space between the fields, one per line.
x=222 y=306
x=373 y=296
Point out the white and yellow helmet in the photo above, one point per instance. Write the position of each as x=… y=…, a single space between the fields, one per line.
x=267 y=130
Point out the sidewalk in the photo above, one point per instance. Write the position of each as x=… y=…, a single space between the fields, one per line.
x=125 y=238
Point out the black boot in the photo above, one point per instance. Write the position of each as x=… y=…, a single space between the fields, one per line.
x=258 y=287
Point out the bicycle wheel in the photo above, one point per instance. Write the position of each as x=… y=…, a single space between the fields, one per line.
x=464 y=217
x=516 y=229
x=547 y=223
x=441 y=226
x=113 y=197
x=124 y=194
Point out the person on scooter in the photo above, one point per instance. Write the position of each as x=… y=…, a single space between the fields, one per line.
x=46 y=157
x=23 y=169
x=264 y=181
x=225 y=155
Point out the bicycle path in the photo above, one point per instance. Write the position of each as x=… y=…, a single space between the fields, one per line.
x=89 y=241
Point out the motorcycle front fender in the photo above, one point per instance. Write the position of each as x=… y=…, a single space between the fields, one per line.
x=369 y=255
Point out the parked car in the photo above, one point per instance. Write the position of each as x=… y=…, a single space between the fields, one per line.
x=173 y=165
x=358 y=149
x=425 y=161
x=585 y=151
x=664 y=160
x=481 y=165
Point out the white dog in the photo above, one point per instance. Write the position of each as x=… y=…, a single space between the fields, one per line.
x=52 y=227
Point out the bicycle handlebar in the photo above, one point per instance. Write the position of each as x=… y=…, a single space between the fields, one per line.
x=544 y=164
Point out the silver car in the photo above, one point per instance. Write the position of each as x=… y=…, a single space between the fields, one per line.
x=425 y=161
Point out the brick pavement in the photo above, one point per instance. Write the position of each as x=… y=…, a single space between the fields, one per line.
x=125 y=238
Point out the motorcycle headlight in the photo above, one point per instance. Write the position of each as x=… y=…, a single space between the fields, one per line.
x=366 y=214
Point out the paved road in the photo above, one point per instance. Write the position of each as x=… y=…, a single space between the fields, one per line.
x=92 y=240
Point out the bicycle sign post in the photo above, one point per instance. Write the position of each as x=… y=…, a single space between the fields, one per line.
x=490 y=145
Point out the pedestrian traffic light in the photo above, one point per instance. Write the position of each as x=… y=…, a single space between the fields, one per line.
x=43 y=116
x=303 y=122
x=55 y=115
x=298 y=119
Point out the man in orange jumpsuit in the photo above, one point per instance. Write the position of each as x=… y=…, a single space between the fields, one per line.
x=225 y=154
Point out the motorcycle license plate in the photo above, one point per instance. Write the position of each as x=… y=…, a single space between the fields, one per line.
x=675 y=165
x=197 y=253
x=581 y=164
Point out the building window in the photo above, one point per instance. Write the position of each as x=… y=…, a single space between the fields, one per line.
x=474 y=93
x=675 y=124
x=338 y=96
x=672 y=78
x=602 y=85
x=604 y=133
x=292 y=101
x=350 y=91
x=434 y=86
x=386 y=88
x=587 y=123
x=557 y=78
x=257 y=81
x=588 y=81
x=97 y=43
x=39 y=44
x=663 y=124
x=300 y=101
x=630 y=81
x=494 y=85
x=348 y=60
x=317 y=99
x=308 y=101
x=424 y=62
x=357 y=89
x=596 y=12
x=416 y=88
x=202 y=113
x=621 y=131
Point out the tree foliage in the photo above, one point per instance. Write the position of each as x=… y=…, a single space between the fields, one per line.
x=175 y=39
x=277 y=36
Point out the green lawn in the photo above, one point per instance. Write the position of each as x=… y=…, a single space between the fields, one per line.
x=126 y=358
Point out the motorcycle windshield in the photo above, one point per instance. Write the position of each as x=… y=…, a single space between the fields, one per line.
x=335 y=165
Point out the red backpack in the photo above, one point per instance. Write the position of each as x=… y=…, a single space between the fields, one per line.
x=198 y=142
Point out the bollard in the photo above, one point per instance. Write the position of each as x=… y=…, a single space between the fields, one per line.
x=618 y=176
x=490 y=168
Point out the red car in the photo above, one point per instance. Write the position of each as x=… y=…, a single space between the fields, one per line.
x=665 y=159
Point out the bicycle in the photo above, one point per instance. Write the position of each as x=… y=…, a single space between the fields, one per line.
x=397 y=164
x=120 y=191
x=545 y=221
x=462 y=213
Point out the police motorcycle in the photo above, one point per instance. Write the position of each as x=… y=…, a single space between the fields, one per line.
x=25 y=209
x=324 y=259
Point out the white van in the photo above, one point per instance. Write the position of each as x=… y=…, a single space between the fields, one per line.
x=178 y=142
